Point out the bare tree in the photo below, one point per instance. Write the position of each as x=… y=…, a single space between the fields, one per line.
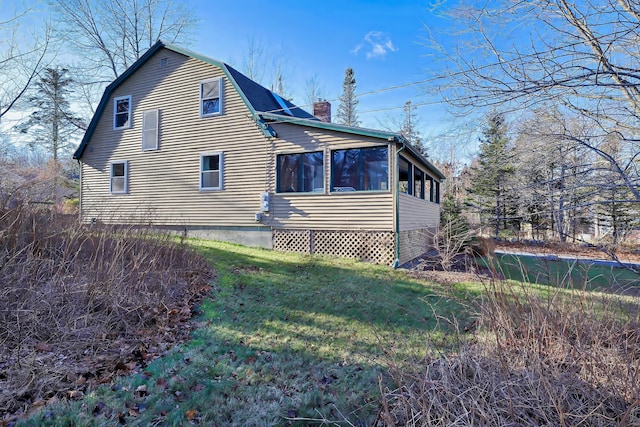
x=19 y=61
x=580 y=55
x=254 y=60
x=313 y=91
x=112 y=34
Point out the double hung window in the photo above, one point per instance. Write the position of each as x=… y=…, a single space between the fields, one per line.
x=211 y=97
x=122 y=112
x=211 y=171
x=119 y=177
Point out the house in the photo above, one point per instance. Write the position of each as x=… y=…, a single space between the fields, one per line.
x=186 y=142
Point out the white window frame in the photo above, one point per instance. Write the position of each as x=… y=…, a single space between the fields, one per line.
x=115 y=112
x=146 y=131
x=220 y=170
x=202 y=98
x=126 y=176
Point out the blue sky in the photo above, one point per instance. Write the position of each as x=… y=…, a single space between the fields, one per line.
x=383 y=41
x=380 y=40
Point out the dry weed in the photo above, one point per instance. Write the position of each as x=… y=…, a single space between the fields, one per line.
x=77 y=300
x=556 y=361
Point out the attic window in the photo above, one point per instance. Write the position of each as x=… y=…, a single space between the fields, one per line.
x=122 y=112
x=211 y=97
x=164 y=62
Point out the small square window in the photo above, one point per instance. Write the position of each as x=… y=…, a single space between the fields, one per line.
x=119 y=177
x=211 y=97
x=211 y=171
x=122 y=112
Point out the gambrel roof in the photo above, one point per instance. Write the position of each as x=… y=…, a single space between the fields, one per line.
x=264 y=105
x=256 y=97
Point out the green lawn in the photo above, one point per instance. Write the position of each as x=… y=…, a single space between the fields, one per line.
x=284 y=339
x=580 y=275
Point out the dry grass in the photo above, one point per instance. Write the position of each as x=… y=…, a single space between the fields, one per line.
x=568 y=359
x=77 y=301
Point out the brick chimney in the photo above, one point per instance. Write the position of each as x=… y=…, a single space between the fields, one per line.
x=322 y=110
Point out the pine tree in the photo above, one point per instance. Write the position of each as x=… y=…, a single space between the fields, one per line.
x=491 y=176
x=409 y=127
x=346 y=114
x=52 y=125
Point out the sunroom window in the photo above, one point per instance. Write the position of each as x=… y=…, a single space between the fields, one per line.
x=211 y=171
x=418 y=183
x=211 y=97
x=405 y=176
x=360 y=169
x=301 y=173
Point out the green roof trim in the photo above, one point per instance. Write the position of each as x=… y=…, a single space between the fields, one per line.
x=388 y=136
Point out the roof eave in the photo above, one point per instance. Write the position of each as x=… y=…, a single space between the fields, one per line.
x=328 y=126
x=388 y=136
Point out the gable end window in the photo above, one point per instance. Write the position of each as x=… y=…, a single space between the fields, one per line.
x=301 y=173
x=119 y=171
x=211 y=97
x=211 y=171
x=150 y=129
x=122 y=112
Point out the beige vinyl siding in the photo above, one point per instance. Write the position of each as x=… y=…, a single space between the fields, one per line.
x=416 y=213
x=345 y=211
x=164 y=183
x=326 y=211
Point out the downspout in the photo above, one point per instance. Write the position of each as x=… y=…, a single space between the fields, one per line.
x=396 y=263
x=80 y=193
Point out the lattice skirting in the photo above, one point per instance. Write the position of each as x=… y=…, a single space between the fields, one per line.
x=372 y=246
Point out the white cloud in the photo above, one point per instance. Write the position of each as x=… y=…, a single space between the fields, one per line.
x=376 y=44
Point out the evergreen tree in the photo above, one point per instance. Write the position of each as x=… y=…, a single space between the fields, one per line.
x=346 y=114
x=409 y=127
x=52 y=125
x=491 y=176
